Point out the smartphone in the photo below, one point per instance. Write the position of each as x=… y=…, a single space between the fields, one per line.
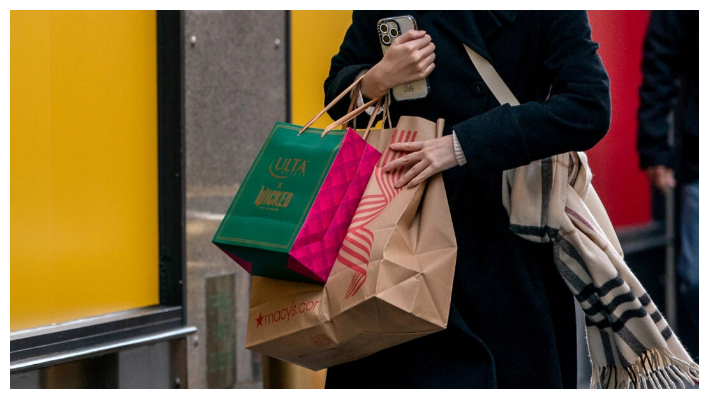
x=389 y=29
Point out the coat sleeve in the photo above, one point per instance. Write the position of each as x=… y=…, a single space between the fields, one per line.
x=659 y=89
x=574 y=117
x=359 y=50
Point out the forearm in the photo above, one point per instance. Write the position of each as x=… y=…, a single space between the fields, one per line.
x=410 y=57
x=335 y=84
x=373 y=84
x=507 y=137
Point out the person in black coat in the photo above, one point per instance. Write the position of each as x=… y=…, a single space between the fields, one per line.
x=512 y=321
x=671 y=87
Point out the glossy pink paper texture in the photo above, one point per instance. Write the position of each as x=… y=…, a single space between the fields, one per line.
x=318 y=242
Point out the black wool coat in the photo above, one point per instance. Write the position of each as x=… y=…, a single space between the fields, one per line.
x=512 y=320
x=670 y=85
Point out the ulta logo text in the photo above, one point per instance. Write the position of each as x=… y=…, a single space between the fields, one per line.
x=284 y=168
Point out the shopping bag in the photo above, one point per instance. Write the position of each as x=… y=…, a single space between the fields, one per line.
x=291 y=213
x=391 y=282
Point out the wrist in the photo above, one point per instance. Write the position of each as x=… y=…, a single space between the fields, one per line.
x=372 y=86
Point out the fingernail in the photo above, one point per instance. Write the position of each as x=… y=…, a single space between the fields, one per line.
x=398 y=184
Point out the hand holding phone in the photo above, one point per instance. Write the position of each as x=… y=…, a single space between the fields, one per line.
x=408 y=60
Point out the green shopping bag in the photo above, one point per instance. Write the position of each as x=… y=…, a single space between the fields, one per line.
x=292 y=211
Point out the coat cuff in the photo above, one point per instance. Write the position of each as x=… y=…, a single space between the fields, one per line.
x=490 y=144
x=649 y=158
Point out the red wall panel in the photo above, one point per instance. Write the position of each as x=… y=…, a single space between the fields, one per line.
x=623 y=187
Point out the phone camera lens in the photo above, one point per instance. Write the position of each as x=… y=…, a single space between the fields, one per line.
x=386 y=39
x=394 y=32
x=383 y=28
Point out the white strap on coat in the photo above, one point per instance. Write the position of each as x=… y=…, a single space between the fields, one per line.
x=504 y=95
x=492 y=79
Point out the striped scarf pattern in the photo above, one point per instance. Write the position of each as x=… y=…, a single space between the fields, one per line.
x=630 y=343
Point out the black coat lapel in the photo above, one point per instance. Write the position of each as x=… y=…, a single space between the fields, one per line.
x=473 y=28
x=490 y=23
x=503 y=18
x=462 y=25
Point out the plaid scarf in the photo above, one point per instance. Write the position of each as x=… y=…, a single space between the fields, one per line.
x=630 y=343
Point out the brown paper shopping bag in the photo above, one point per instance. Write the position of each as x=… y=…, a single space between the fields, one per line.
x=391 y=282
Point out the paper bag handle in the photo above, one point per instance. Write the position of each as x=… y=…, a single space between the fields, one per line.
x=386 y=114
x=334 y=101
x=345 y=119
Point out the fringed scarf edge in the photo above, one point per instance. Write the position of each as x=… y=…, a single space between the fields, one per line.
x=653 y=369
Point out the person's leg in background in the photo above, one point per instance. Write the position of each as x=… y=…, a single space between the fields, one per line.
x=688 y=267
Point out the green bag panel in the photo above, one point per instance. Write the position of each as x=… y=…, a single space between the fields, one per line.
x=279 y=189
x=264 y=263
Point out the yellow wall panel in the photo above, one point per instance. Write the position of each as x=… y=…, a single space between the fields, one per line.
x=315 y=37
x=83 y=164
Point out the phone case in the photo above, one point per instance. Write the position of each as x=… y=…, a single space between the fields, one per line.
x=388 y=29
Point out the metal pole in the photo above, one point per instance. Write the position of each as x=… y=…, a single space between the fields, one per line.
x=670 y=258
x=670 y=280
